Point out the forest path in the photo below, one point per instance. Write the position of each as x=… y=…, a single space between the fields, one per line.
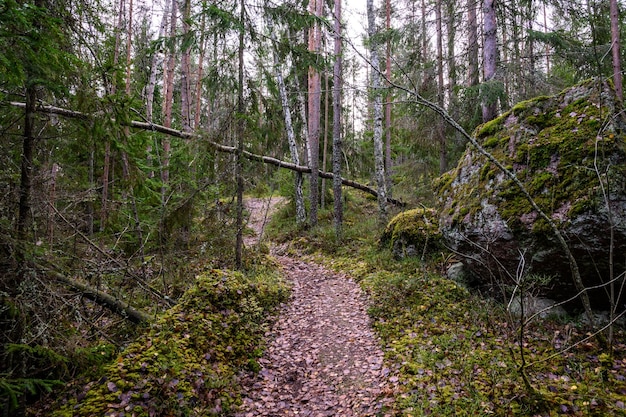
x=322 y=357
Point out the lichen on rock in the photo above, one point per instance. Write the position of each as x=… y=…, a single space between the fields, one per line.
x=569 y=152
x=412 y=233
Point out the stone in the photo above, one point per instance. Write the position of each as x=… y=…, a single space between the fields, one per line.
x=543 y=307
x=558 y=147
x=412 y=233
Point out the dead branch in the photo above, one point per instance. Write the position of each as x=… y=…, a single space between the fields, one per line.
x=217 y=146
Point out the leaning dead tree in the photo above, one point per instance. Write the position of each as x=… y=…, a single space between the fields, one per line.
x=59 y=111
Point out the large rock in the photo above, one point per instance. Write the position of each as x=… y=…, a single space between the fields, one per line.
x=558 y=147
x=412 y=233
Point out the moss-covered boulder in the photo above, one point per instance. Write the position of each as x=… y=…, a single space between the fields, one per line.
x=188 y=361
x=412 y=233
x=569 y=152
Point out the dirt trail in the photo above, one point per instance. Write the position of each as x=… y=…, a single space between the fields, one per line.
x=323 y=358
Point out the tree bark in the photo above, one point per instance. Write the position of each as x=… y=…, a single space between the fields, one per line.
x=101 y=298
x=291 y=137
x=379 y=161
x=388 y=96
x=473 y=75
x=26 y=174
x=314 y=89
x=185 y=70
x=239 y=154
x=337 y=140
x=615 y=48
x=441 y=133
x=490 y=49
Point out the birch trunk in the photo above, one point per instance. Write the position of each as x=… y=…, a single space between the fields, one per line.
x=615 y=48
x=291 y=137
x=379 y=161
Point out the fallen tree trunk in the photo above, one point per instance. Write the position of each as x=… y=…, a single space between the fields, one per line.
x=100 y=297
x=217 y=146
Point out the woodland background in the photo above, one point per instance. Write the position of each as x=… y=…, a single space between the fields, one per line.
x=131 y=130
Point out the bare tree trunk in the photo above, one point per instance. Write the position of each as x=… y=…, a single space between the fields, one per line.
x=337 y=142
x=615 y=48
x=240 y=132
x=26 y=175
x=152 y=79
x=198 y=95
x=441 y=129
x=106 y=173
x=473 y=75
x=168 y=95
x=489 y=103
x=379 y=161
x=185 y=71
x=388 y=103
x=325 y=145
x=291 y=137
x=315 y=8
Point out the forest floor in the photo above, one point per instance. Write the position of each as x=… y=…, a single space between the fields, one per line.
x=322 y=358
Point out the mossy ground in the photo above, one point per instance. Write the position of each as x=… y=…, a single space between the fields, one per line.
x=458 y=354
x=187 y=362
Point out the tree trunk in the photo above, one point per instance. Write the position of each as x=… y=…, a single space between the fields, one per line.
x=490 y=50
x=473 y=75
x=388 y=96
x=168 y=96
x=26 y=175
x=379 y=161
x=337 y=142
x=325 y=144
x=615 y=47
x=441 y=128
x=185 y=71
x=291 y=137
x=240 y=132
x=314 y=89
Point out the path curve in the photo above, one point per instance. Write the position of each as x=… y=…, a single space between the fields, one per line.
x=322 y=359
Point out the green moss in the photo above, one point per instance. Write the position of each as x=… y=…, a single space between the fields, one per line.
x=418 y=227
x=490 y=128
x=186 y=365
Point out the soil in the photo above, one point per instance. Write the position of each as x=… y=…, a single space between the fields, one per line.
x=322 y=358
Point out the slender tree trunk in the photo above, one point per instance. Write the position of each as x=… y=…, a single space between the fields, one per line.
x=152 y=79
x=379 y=161
x=26 y=176
x=291 y=137
x=388 y=102
x=615 y=48
x=240 y=132
x=473 y=75
x=489 y=104
x=198 y=95
x=545 y=29
x=441 y=128
x=337 y=141
x=106 y=170
x=315 y=8
x=325 y=145
x=168 y=95
x=185 y=71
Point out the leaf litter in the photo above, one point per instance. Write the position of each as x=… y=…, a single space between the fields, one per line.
x=322 y=359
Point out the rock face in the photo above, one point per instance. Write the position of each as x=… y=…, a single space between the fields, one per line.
x=412 y=233
x=569 y=152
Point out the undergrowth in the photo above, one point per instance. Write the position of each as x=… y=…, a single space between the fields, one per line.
x=456 y=353
x=187 y=362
